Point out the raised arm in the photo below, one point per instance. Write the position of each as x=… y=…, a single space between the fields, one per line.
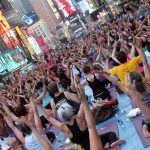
x=114 y=53
x=137 y=97
x=108 y=40
x=68 y=73
x=43 y=140
x=9 y=113
x=63 y=63
x=145 y=63
x=95 y=142
x=54 y=78
x=148 y=20
x=43 y=93
x=62 y=127
x=71 y=96
x=132 y=53
x=72 y=79
x=17 y=132
x=120 y=85
x=36 y=116
x=98 y=58
x=20 y=86
x=14 y=144
x=107 y=69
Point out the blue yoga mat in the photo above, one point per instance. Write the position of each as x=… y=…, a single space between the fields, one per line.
x=137 y=121
x=110 y=127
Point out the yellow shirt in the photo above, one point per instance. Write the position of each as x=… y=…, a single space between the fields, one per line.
x=121 y=70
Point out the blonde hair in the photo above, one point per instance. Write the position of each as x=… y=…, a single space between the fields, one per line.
x=74 y=147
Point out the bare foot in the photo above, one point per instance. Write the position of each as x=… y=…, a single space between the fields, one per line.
x=106 y=146
x=146 y=134
x=119 y=142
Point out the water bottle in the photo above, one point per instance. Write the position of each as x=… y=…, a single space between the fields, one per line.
x=123 y=111
x=60 y=140
x=120 y=122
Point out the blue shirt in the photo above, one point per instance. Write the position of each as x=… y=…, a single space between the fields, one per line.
x=94 y=56
x=46 y=99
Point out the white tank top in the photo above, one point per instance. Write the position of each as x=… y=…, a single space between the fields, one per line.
x=32 y=143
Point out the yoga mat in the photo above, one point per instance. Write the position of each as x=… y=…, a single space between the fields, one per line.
x=133 y=104
x=137 y=121
x=54 y=130
x=111 y=127
x=63 y=147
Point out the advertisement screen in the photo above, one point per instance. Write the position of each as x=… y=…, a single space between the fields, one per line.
x=24 y=40
x=66 y=7
x=52 y=5
x=40 y=41
x=7 y=34
x=27 y=20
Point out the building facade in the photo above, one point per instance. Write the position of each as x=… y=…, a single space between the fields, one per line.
x=11 y=56
x=41 y=28
x=11 y=15
x=45 y=12
x=24 y=8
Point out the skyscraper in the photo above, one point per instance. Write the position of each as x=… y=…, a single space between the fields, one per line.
x=22 y=6
x=4 y=4
x=11 y=15
x=45 y=12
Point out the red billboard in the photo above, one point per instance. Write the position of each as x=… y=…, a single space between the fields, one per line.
x=40 y=41
x=66 y=7
x=7 y=34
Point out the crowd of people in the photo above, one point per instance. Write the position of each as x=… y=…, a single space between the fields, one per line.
x=108 y=54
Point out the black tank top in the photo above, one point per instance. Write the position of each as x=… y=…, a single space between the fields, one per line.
x=79 y=137
x=71 y=91
x=59 y=100
x=96 y=86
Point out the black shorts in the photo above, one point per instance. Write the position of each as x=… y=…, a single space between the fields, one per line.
x=44 y=121
x=104 y=94
x=109 y=137
x=48 y=106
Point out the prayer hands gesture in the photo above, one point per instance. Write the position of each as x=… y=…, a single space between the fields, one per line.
x=137 y=42
x=130 y=87
x=81 y=93
x=129 y=84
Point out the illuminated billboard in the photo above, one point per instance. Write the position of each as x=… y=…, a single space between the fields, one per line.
x=7 y=33
x=24 y=40
x=57 y=15
x=52 y=5
x=27 y=20
x=66 y=7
